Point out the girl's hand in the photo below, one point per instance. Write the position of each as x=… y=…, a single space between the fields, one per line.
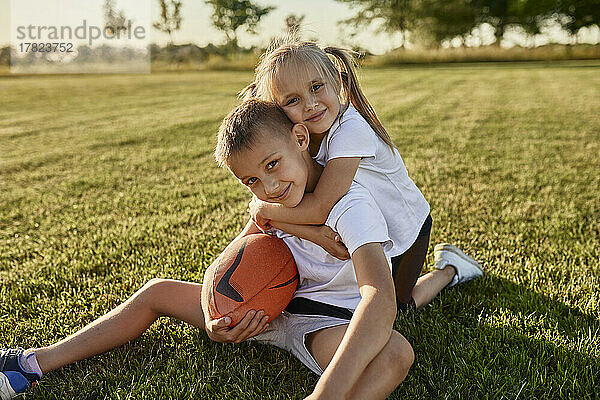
x=251 y=325
x=331 y=242
x=258 y=209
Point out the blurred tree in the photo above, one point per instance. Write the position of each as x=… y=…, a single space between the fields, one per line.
x=229 y=15
x=430 y=21
x=532 y=15
x=170 y=17
x=528 y=14
x=436 y=20
x=5 y=55
x=446 y=19
x=391 y=15
x=579 y=14
x=115 y=21
x=84 y=54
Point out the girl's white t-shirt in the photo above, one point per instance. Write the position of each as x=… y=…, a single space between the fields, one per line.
x=382 y=172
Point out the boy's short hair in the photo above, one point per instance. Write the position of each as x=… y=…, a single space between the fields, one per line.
x=243 y=125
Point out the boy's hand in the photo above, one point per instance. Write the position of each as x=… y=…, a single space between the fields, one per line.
x=332 y=243
x=251 y=325
x=258 y=210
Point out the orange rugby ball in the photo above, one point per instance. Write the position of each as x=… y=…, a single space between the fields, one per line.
x=255 y=272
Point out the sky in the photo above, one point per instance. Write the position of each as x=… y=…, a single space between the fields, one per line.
x=320 y=22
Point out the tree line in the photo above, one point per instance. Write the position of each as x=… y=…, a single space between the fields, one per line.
x=430 y=21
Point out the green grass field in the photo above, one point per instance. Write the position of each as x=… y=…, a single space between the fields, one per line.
x=109 y=181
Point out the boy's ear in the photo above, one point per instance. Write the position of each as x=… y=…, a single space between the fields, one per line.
x=301 y=136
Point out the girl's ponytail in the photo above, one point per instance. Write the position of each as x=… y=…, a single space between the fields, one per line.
x=354 y=94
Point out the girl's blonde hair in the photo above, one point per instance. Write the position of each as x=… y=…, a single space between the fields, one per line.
x=298 y=57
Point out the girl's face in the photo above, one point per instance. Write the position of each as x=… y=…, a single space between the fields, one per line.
x=308 y=98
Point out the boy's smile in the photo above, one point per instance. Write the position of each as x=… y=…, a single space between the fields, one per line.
x=277 y=168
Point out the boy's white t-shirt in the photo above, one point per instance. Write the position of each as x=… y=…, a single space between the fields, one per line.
x=382 y=172
x=358 y=221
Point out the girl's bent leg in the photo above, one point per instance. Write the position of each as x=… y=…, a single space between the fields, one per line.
x=429 y=285
x=406 y=270
x=385 y=372
x=159 y=297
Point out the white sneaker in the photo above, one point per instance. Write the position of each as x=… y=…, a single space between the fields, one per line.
x=466 y=267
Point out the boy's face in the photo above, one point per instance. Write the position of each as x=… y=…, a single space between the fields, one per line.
x=274 y=168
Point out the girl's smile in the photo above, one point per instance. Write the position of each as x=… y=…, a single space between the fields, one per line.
x=317 y=117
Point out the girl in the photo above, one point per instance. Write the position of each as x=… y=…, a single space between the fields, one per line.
x=349 y=140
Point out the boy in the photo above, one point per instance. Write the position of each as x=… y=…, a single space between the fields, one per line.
x=339 y=324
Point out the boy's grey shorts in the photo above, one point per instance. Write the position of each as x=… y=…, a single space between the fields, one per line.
x=288 y=332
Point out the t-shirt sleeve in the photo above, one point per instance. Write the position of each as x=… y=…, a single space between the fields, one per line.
x=353 y=138
x=360 y=222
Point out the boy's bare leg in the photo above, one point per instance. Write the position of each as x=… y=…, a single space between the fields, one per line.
x=385 y=372
x=429 y=285
x=159 y=297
